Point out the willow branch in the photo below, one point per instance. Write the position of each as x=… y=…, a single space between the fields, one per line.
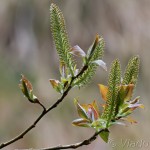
x=44 y=112
x=76 y=145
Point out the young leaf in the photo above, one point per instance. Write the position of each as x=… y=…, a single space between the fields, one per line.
x=62 y=70
x=134 y=106
x=95 y=106
x=81 y=111
x=96 y=51
x=101 y=63
x=81 y=122
x=99 y=124
x=56 y=84
x=113 y=88
x=77 y=51
x=103 y=90
x=104 y=135
x=132 y=70
x=118 y=123
x=126 y=92
x=92 y=113
x=60 y=37
x=129 y=119
x=27 y=89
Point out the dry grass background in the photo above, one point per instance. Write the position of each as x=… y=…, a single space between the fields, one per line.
x=26 y=47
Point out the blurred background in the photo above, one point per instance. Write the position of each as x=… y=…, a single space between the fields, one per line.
x=26 y=47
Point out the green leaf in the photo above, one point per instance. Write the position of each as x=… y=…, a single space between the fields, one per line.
x=24 y=89
x=132 y=70
x=81 y=111
x=113 y=88
x=61 y=38
x=101 y=63
x=56 y=84
x=105 y=135
x=27 y=89
x=95 y=106
x=129 y=119
x=103 y=91
x=126 y=92
x=77 y=51
x=99 y=124
x=81 y=122
x=62 y=69
x=118 y=123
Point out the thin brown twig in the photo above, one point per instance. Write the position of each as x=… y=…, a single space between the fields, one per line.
x=44 y=108
x=44 y=112
x=20 y=136
x=76 y=145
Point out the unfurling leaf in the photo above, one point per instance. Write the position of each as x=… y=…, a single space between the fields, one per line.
x=27 y=89
x=92 y=113
x=129 y=119
x=56 y=85
x=135 y=100
x=81 y=122
x=77 y=51
x=134 y=106
x=104 y=135
x=103 y=90
x=62 y=69
x=101 y=63
x=95 y=106
x=81 y=111
x=118 y=123
x=89 y=113
x=76 y=71
x=27 y=82
x=128 y=107
x=126 y=92
x=23 y=87
x=96 y=50
x=99 y=124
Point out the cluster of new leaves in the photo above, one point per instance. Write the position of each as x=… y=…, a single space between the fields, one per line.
x=65 y=51
x=117 y=96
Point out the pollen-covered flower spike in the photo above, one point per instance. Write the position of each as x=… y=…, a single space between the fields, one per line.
x=123 y=103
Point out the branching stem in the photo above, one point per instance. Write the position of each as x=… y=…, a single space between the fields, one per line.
x=44 y=112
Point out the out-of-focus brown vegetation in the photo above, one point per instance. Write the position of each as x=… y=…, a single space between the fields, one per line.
x=26 y=47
